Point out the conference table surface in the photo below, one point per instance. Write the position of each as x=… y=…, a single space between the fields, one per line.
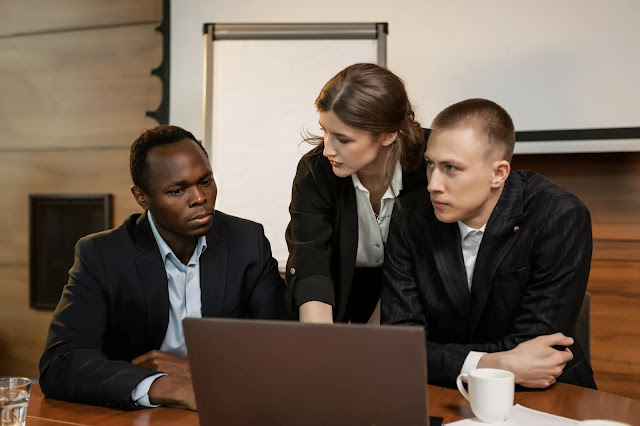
x=561 y=399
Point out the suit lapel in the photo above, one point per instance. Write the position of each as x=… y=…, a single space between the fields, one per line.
x=153 y=279
x=497 y=241
x=213 y=275
x=447 y=253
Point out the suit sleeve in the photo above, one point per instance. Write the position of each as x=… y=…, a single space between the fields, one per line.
x=400 y=300
x=308 y=236
x=73 y=367
x=560 y=262
x=267 y=297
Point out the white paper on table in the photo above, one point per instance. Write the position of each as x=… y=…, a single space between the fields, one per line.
x=523 y=416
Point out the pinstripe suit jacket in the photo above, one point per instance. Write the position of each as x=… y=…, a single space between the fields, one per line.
x=529 y=280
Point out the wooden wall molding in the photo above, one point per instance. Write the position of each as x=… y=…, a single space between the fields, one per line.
x=26 y=17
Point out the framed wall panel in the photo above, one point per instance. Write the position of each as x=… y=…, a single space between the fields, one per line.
x=57 y=221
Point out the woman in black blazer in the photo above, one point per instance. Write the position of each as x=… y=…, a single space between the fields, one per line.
x=344 y=194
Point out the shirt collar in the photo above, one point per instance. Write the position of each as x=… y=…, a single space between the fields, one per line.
x=165 y=250
x=466 y=230
x=394 y=187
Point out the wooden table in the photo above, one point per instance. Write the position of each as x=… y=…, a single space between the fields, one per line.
x=561 y=399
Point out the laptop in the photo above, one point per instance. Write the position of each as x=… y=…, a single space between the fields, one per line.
x=251 y=372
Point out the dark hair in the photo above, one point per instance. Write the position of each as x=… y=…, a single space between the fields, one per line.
x=372 y=98
x=486 y=117
x=157 y=136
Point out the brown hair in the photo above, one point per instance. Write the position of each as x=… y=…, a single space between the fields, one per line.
x=486 y=117
x=372 y=98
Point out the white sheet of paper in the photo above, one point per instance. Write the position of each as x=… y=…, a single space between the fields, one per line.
x=523 y=416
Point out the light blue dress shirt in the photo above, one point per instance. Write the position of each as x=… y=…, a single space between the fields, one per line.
x=184 y=301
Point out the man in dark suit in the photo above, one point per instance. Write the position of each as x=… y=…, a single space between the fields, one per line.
x=116 y=336
x=492 y=262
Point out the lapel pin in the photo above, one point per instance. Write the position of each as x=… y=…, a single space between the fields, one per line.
x=516 y=228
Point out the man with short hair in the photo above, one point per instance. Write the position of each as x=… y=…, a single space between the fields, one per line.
x=116 y=337
x=492 y=262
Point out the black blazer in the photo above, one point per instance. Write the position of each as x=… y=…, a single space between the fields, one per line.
x=322 y=235
x=529 y=280
x=115 y=306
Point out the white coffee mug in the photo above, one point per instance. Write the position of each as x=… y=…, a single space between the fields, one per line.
x=490 y=393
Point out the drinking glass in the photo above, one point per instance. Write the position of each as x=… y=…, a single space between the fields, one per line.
x=14 y=397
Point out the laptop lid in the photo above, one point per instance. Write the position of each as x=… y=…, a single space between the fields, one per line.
x=250 y=372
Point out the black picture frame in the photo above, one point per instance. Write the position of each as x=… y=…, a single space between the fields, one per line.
x=56 y=223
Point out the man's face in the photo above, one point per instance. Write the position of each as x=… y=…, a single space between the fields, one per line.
x=181 y=192
x=349 y=149
x=461 y=172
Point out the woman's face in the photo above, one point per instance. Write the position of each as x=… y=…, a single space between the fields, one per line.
x=352 y=150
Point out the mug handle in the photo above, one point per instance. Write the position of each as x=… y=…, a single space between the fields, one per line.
x=461 y=386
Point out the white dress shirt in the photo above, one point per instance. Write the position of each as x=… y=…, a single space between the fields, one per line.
x=373 y=229
x=184 y=301
x=470 y=241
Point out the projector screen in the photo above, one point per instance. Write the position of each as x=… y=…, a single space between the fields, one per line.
x=566 y=70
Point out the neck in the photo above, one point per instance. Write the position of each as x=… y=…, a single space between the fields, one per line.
x=484 y=212
x=375 y=176
x=182 y=247
x=184 y=253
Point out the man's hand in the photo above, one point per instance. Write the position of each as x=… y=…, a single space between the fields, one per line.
x=164 y=363
x=168 y=390
x=535 y=363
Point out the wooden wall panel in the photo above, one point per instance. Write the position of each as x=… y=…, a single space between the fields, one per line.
x=75 y=83
x=28 y=16
x=78 y=89
x=615 y=326
x=23 y=331
x=86 y=171
x=620 y=250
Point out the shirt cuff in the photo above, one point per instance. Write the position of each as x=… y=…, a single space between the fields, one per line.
x=471 y=362
x=140 y=394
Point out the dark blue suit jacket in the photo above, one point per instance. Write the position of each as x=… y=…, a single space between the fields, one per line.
x=115 y=306
x=529 y=280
